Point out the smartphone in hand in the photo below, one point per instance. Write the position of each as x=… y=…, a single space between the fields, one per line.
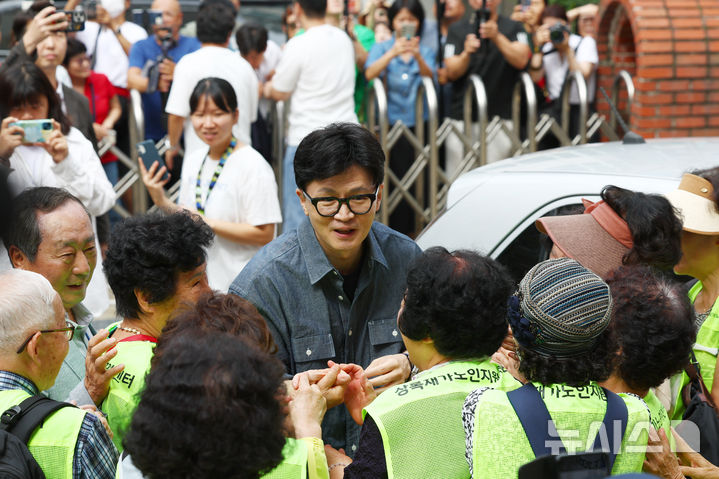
x=34 y=131
x=147 y=151
x=408 y=30
x=75 y=20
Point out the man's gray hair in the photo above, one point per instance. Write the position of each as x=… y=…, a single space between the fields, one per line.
x=26 y=305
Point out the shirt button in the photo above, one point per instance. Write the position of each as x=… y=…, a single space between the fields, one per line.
x=341 y=298
x=354 y=447
x=308 y=352
x=394 y=333
x=335 y=273
x=350 y=333
x=404 y=76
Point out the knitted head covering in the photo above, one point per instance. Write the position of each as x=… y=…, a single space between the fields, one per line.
x=561 y=309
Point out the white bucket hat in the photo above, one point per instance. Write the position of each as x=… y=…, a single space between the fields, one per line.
x=694 y=199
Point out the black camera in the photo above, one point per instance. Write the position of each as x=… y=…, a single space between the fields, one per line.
x=556 y=32
x=152 y=68
x=147 y=18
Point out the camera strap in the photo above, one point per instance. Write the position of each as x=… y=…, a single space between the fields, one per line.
x=93 y=57
x=542 y=432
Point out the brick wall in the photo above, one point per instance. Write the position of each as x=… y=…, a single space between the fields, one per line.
x=671 y=49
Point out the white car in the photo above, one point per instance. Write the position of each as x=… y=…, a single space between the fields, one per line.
x=492 y=209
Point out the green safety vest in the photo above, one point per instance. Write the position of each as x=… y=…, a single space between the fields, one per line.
x=126 y=387
x=294 y=464
x=421 y=421
x=705 y=350
x=53 y=442
x=500 y=446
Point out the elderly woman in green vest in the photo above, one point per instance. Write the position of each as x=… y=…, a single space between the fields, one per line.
x=155 y=264
x=452 y=320
x=559 y=319
x=648 y=306
x=696 y=200
x=242 y=423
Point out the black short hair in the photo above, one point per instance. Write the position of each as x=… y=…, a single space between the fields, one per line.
x=24 y=83
x=333 y=149
x=74 y=47
x=217 y=89
x=414 y=7
x=655 y=227
x=313 y=8
x=576 y=371
x=215 y=21
x=555 y=11
x=148 y=252
x=459 y=300
x=23 y=230
x=211 y=407
x=653 y=324
x=22 y=18
x=251 y=37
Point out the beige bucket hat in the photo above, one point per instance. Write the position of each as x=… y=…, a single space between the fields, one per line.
x=694 y=200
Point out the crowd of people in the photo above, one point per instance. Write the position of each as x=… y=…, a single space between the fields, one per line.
x=338 y=348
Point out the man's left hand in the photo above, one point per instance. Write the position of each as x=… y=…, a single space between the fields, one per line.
x=488 y=30
x=388 y=371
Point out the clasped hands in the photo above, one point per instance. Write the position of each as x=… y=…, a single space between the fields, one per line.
x=352 y=385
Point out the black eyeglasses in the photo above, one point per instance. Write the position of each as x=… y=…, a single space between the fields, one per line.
x=329 y=206
x=69 y=331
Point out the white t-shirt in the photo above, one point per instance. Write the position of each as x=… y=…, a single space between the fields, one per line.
x=271 y=58
x=82 y=175
x=221 y=63
x=318 y=67
x=555 y=67
x=245 y=192
x=111 y=58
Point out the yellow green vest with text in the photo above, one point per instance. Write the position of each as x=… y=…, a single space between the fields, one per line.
x=126 y=387
x=53 y=442
x=500 y=446
x=294 y=464
x=421 y=421
x=705 y=350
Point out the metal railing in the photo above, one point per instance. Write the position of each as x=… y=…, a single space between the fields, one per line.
x=427 y=139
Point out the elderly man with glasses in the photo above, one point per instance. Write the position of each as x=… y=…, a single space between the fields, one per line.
x=330 y=290
x=70 y=443
x=50 y=233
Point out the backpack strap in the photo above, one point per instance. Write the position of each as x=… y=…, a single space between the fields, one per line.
x=23 y=419
x=540 y=428
x=535 y=419
x=616 y=411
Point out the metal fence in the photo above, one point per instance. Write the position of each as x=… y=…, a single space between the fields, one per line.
x=426 y=184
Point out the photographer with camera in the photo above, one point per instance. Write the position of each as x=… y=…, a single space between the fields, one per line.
x=495 y=48
x=559 y=52
x=152 y=64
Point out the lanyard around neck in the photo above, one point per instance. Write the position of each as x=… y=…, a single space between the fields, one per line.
x=215 y=176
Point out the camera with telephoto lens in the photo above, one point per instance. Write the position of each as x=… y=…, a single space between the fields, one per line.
x=152 y=67
x=556 y=32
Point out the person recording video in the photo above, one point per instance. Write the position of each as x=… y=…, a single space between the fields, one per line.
x=152 y=64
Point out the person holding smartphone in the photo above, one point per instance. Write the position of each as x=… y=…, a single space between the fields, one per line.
x=230 y=184
x=401 y=62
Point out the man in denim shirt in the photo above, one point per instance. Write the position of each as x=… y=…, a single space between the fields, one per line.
x=331 y=289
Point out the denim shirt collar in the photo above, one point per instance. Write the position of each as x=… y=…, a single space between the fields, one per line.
x=315 y=258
